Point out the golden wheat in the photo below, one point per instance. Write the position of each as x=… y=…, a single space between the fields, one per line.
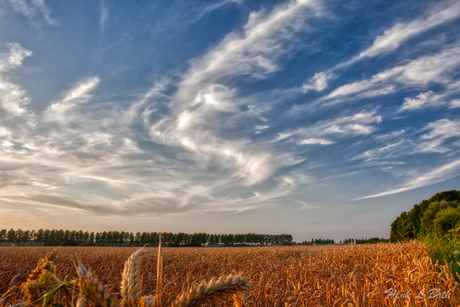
x=131 y=280
x=361 y=275
x=212 y=291
x=92 y=292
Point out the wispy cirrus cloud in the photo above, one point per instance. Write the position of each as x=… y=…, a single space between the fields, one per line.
x=401 y=32
x=439 y=174
x=417 y=73
x=76 y=96
x=390 y=41
x=104 y=15
x=201 y=100
x=326 y=132
x=14 y=58
x=441 y=136
x=33 y=11
x=439 y=132
x=430 y=99
x=13 y=98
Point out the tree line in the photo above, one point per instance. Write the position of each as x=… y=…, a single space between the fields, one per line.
x=62 y=237
x=440 y=214
x=318 y=241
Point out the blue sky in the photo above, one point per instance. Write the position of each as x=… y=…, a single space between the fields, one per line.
x=315 y=118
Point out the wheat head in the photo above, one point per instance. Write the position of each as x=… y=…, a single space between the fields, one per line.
x=131 y=279
x=212 y=291
x=44 y=263
x=147 y=301
x=92 y=292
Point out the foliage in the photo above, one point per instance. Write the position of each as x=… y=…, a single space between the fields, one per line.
x=420 y=219
x=444 y=248
x=446 y=219
x=434 y=222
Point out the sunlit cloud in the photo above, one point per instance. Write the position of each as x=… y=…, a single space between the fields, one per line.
x=401 y=32
x=76 y=96
x=362 y=123
x=419 y=72
x=390 y=41
x=200 y=101
x=318 y=83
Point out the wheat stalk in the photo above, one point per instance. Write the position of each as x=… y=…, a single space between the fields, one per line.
x=131 y=279
x=212 y=291
x=159 y=290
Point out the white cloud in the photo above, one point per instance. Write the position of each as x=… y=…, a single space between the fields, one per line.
x=401 y=32
x=391 y=40
x=362 y=123
x=318 y=83
x=201 y=107
x=440 y=174
x=78 y=95
x=14 y=58
x=386 y=152
x=254 y=51
x=312 y=141
x=420 y=101
x=32 y=11
x=431 y=99
x=202 y=11
x=13 y=99
x=104 y=15
x=419 y=72
x=439 y=132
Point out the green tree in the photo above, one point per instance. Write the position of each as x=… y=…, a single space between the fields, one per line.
x=431 y=212
x=420 y=219
x=91 y=238
x=19 y=235
x=39 y=236
x=3 y=236
x=446 y=219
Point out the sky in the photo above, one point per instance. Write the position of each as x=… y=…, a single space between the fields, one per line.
x=317 y=118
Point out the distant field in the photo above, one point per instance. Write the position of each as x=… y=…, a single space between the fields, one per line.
x=360 y=275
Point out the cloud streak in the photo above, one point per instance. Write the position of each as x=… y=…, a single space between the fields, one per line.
x=440 y=174
x=35 y=11
x=401 y=32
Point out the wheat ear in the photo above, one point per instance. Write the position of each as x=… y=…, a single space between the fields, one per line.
x=131 y=279
x=240 y=300
x=92 y=291
x=212 y=291
x=147 y=301
x=42 y=263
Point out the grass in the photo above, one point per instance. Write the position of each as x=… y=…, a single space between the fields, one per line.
x=444 y=248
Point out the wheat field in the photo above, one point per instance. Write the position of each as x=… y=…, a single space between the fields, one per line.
x=352 y=275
